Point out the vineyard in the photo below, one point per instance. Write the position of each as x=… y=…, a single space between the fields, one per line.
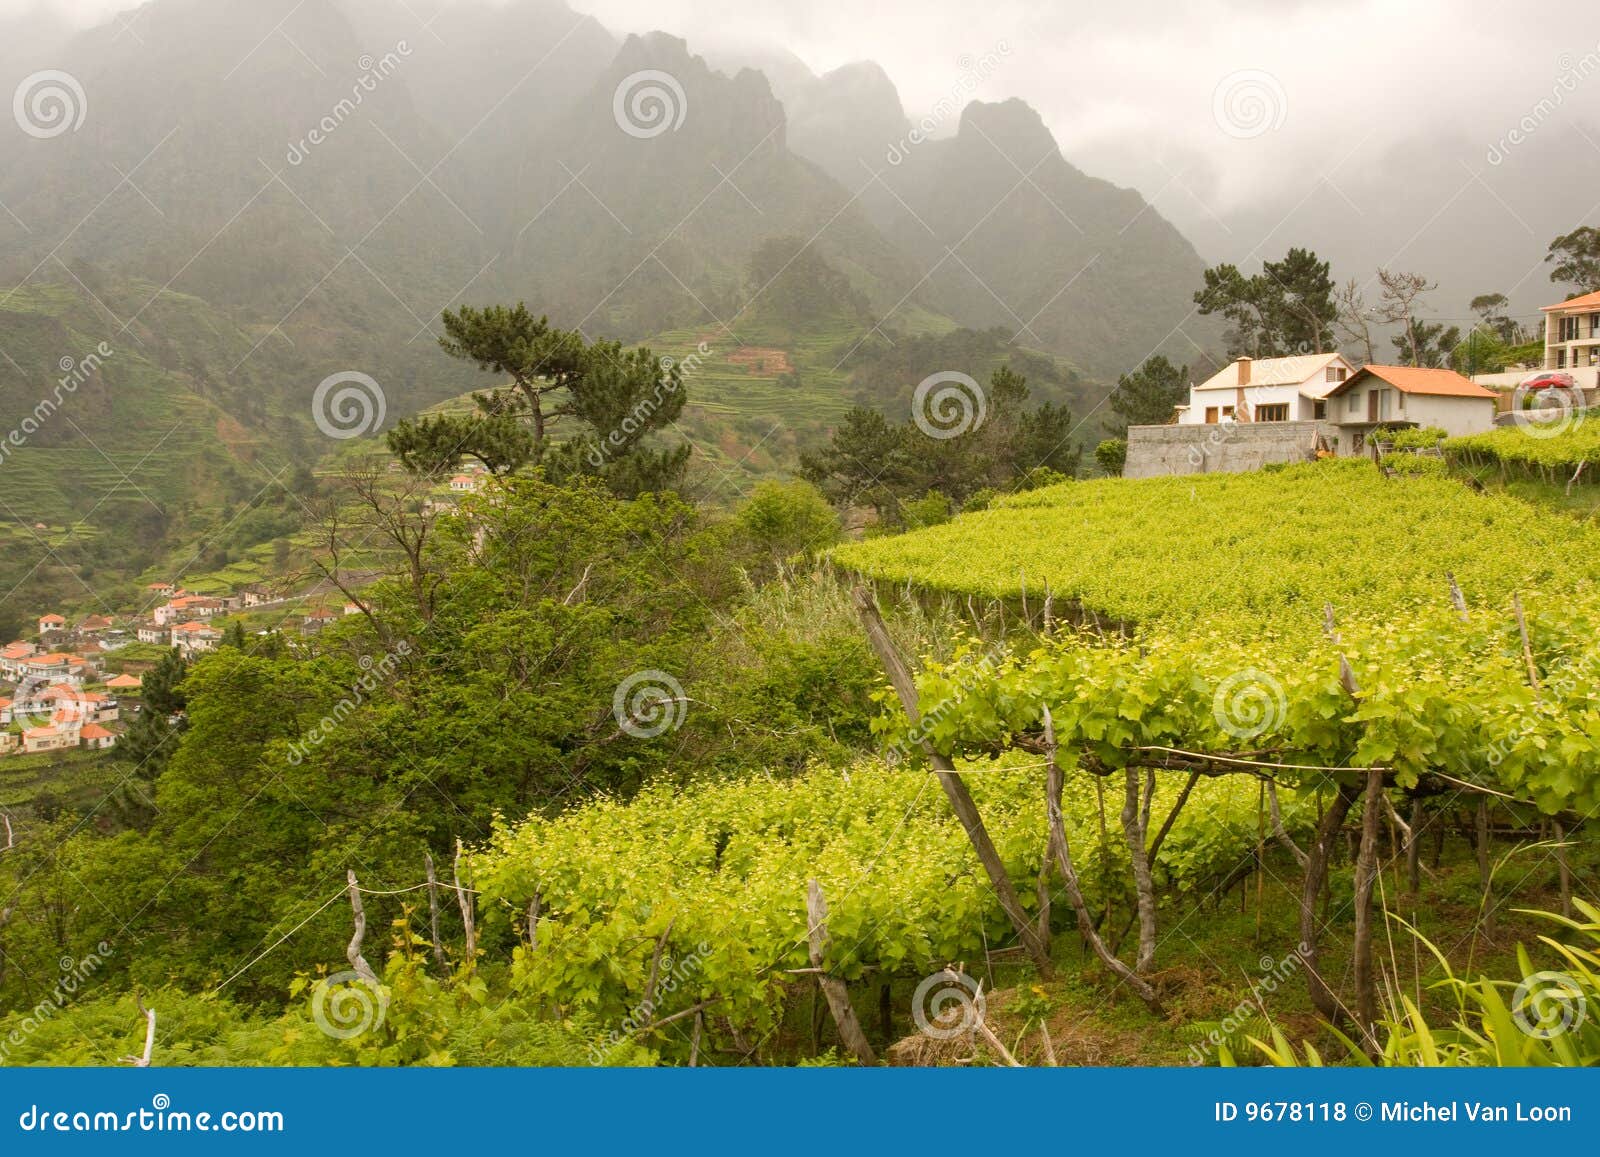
x=1552 y=453
x=1261 y=549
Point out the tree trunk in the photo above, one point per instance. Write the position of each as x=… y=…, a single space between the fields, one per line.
x=1144 y=885
x=955 y=788
x=1366 y=877
x=844 y=1016
x=1323 y=997
x=1054 y=781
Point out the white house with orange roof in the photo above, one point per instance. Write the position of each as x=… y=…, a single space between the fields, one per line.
x=1407 y=396
x=1288 y=389
x=48 y=623
x=187 y=607
x=195 y=638
x=12 y=656
x=463 y=484
x=94 y=737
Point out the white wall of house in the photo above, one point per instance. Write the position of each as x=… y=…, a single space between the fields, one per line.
x=1455 y=416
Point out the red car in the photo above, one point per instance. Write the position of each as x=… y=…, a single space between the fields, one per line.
x=1550 y=380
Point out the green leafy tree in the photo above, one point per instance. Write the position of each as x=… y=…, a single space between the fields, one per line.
x=786 y=519
x=1575 y=258
x=614 y=400
x=1287 y=308
x=1147 y=396
x=1112 y=455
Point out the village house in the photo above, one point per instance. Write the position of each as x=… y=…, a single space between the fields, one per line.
x=1407 y=396
x=463 y=484
x=48 y=623
x=165 y=590
x=12 y=656
x=316 y=620
x=54 y=667
x=50 y=738
x=10 y=743
x=1572 y=338
x=151 y=633
x=125 y=684
x=186 y=608
x=95 y=624
x=1289 y=389
x=195 y=638
x=95 y=737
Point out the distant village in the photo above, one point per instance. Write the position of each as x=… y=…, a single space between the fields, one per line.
x=76 y=686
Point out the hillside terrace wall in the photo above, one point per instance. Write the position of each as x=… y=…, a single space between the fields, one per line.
x=1231 y=448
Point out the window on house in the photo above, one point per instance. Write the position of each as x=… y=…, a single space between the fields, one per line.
x=1594 y=325
x=1319 y=410
x=1277 y=412
x=1400 y=402
x=1227 y=411
x=1211 y=415
x=1354 y=406
x=1561 y=359
x=1334 y=374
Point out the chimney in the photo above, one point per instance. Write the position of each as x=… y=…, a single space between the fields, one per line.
x=1244 y=371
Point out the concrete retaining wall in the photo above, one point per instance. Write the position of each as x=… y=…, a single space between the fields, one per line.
x=1231 y=448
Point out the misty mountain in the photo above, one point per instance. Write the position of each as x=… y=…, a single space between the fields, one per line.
x=333 y=173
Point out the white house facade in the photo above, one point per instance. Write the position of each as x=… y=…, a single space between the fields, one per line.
x=1291 y=389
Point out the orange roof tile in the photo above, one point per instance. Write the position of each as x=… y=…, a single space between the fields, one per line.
x=51 y=619
x=1416 y=380
x=94 y=731
x=124 y=681
x=1587 y=301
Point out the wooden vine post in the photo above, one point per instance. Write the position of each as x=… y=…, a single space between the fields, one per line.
x=838 y=995
x=1054 y=781
x=955 y=788
x=433 y=913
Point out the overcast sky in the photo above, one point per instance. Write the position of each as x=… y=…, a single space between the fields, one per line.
x=1219 y=109
x=1132 y=91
